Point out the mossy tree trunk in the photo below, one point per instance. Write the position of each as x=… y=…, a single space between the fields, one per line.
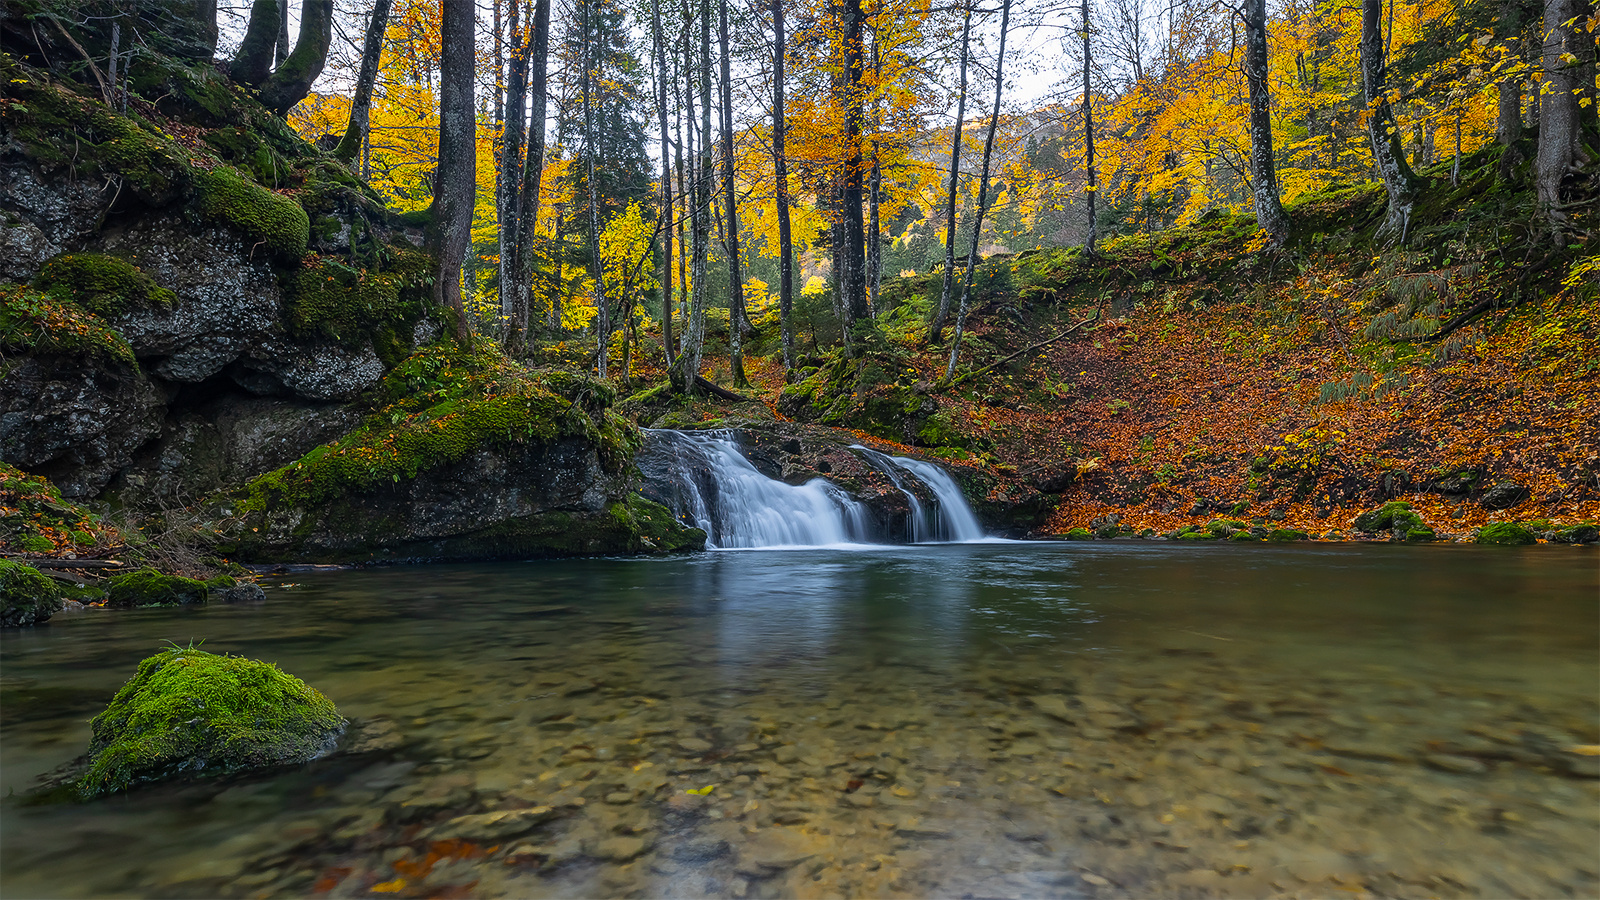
x=361 y=105
x=292 y=81
x=1558 y=107
x=252 y=65
x=450 y=226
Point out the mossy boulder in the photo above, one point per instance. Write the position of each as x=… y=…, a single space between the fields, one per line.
x=1077 y=534
x=189 y=712
x=1505 y=533
x=1286 y=535
x=148 y=587
x=33 y=321
x=104 y=285
x=261 y=217
x=1576 y=534
x=1396 y=517
x=27 y=597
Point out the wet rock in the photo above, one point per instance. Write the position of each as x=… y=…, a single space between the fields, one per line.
x=1459 y=765
x=1504 y=495
x=1363 y=750
x=493 y=826
x=620 y=849
x=1052 y=705
x=694 y=745
x=773 y=850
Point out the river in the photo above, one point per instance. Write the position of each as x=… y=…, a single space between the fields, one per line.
x=988 y=719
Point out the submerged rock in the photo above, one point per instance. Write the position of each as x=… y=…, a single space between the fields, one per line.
x=189 y=712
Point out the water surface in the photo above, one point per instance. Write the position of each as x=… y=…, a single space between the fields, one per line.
x=963 y=720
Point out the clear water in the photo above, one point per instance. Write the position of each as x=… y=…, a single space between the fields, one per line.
x=961 y=720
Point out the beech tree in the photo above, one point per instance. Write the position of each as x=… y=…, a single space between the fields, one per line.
x=361 y=104
x=737 y=320
x=942 y=312
x=450 y=224
x=780 y=168
x=1382 y=133
x=1263 y=169
x=1562 y=61
x=291 y=81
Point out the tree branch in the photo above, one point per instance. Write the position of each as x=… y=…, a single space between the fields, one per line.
x=1029 y=349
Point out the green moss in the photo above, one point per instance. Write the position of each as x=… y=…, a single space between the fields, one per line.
x=35 y=321
x=148 y=587
x=1394 y=516
x=27 y=597
x=35 y=543
x=39 y=517
x=1505 y=533
x=104 y=285
x=192 y=712
x=1078 y=534
x=277 y=223
x=1285 y=535
x=1576 y=534
x=329 y=298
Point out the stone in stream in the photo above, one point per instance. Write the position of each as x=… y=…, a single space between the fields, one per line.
x=493 y=826
x=1459 y=765
x=694 y=745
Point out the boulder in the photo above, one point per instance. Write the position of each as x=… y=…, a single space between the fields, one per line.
x=27 y=597
x=189 y=712
x=1504 y=495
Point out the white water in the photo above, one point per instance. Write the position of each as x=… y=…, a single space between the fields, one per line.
x=950 y=519
x=716 y=488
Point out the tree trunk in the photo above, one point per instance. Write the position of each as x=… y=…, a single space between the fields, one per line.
x=455 y=182
x=281 y=53
x=361 y=105
x=659 y=55
x=1558 y=107
x=511 y=202
x=853 y=277
x=737 y=317
x=1091 y=189
x=942 y=314
x=1263 y=169
x=780 y=168
x=533 y=174
x=983 y=191
x=596 y=269
x=875 y=192
x=1382 y=133
x=252 y=65
x=685 y=196
x=292 y=81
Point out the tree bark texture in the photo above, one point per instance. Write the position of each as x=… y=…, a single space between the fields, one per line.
x=983 y=192
x=510 y=201
x=1263 y=169
x=658 y=48
x=942 y=313
x=533 y=171
x=361 y=104
x=450 y=228
x=292 y=81
x=596 y=269
x=853 y=271
x=1091 y=189
x=1382 y=133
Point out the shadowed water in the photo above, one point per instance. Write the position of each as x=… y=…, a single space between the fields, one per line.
x=959 y=720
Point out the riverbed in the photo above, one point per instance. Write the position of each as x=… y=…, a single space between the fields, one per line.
x=1072 y=720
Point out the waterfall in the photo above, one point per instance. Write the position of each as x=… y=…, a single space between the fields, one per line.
x=704 y=478
x=950 y=519
x=716 y=488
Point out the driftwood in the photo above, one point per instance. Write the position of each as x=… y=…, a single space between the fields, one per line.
x=1025 y=350
x=70 y=563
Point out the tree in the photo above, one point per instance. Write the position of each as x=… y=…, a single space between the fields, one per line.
x=849 y=250
x=942 y=313
x=737 y=323
x=538 y=53
x=1561 y=63
x=450 y=225
x=1263 y=170
x=1382 y=133
x=658 y=47
x=983 y=189
x=1090 y=189
x=252 y=64
x=361 y=105
x=781 y=186
x=509 y=200
x=292 y=80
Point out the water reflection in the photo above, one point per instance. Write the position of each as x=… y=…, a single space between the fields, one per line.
x=988 y=719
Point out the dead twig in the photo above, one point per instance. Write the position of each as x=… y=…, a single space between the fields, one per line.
x=1025 y=350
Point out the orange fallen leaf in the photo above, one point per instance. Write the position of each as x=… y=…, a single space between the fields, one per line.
x=389 y=887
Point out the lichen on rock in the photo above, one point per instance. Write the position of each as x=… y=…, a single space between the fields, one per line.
x=190 y=712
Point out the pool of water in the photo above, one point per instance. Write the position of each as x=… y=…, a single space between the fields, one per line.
x=966 y=720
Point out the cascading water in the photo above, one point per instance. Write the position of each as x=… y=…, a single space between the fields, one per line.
x=949 y=519
x=736 y=506
x=704 y=478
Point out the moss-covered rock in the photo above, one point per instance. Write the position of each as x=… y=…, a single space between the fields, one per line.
x=27 y=597
x=1576 y=534
x=1396 y=517
x=104 y=285
x=333 y=300
x=1285 y=535
x=275 y=222
x=148 y=587
x=1077 y=534
x=1505 y=533
x=32 y=321
x=190 y=712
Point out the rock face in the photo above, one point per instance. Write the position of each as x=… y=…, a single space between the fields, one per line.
x=196 y=713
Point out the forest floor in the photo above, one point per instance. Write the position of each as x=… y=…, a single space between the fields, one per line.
x=1293 y=389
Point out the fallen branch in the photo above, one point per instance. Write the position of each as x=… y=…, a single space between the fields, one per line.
x=1029 y=349
x=105 y=92
x=70 y=563
x=719 y=391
